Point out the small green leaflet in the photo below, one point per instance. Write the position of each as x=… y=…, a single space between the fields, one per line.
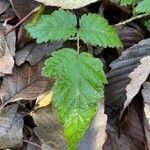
x=77 y=90
x=95 y=30
x=60 y=25
x=127 y=2
x=143 y=7
x=147 y=24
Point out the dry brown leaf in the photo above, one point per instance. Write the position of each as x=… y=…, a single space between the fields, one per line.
x=129 y=36
x=11 y=40
x=11 y=128
x=22 y=7
x=6 y=58
x=67 y=4
x=138 y=77
x=4 y=4
x=33 y=53
x=25 y=83
x=130 y=135
x=125 y=79
x=48 y=128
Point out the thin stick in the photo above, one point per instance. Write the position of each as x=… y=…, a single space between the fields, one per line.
x=131 y=19
x=22 y=20
x=29 y=142
x=78 y=42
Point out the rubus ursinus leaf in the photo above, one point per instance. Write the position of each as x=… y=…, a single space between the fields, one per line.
x=77 y=90
x=95 y=30
x=147 y=24
x=60 y=25
x=143 y=6
x=127 y=2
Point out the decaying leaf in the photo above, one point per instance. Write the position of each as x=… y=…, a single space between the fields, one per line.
x=48 y=129
x=11 y=128
x=4 y=4
x=43 y=100
x=67 y=4
x=128 y=73
x=6 y=58
x=33 y=53
x=25 y=83
x=130 y=136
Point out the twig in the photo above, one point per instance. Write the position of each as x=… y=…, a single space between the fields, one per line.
x=29 y=142
x=131 y=19
x=78 y=42
x=22 y=20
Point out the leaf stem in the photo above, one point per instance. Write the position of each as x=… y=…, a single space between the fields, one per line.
x=78 y=42
x=131 y=19
x=23 y=20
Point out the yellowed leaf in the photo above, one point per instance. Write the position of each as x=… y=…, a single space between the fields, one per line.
x=67 y=4
x=43 y=100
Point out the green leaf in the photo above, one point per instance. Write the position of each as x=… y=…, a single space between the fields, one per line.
x=147 y=25
x=95 y=30
x=60 y=25
x=127 y=2
x=143 y=7
x=77 y=90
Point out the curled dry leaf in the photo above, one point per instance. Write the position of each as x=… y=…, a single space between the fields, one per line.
x=33 y=53
x=67 y=4
x=25 y=83
x=128 y=73
x=11 y=128
x=4 y=4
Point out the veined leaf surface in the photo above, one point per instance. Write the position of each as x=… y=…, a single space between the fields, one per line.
x=143 y=6
x=77 y=90
x=95 y=30
x=60 y=25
